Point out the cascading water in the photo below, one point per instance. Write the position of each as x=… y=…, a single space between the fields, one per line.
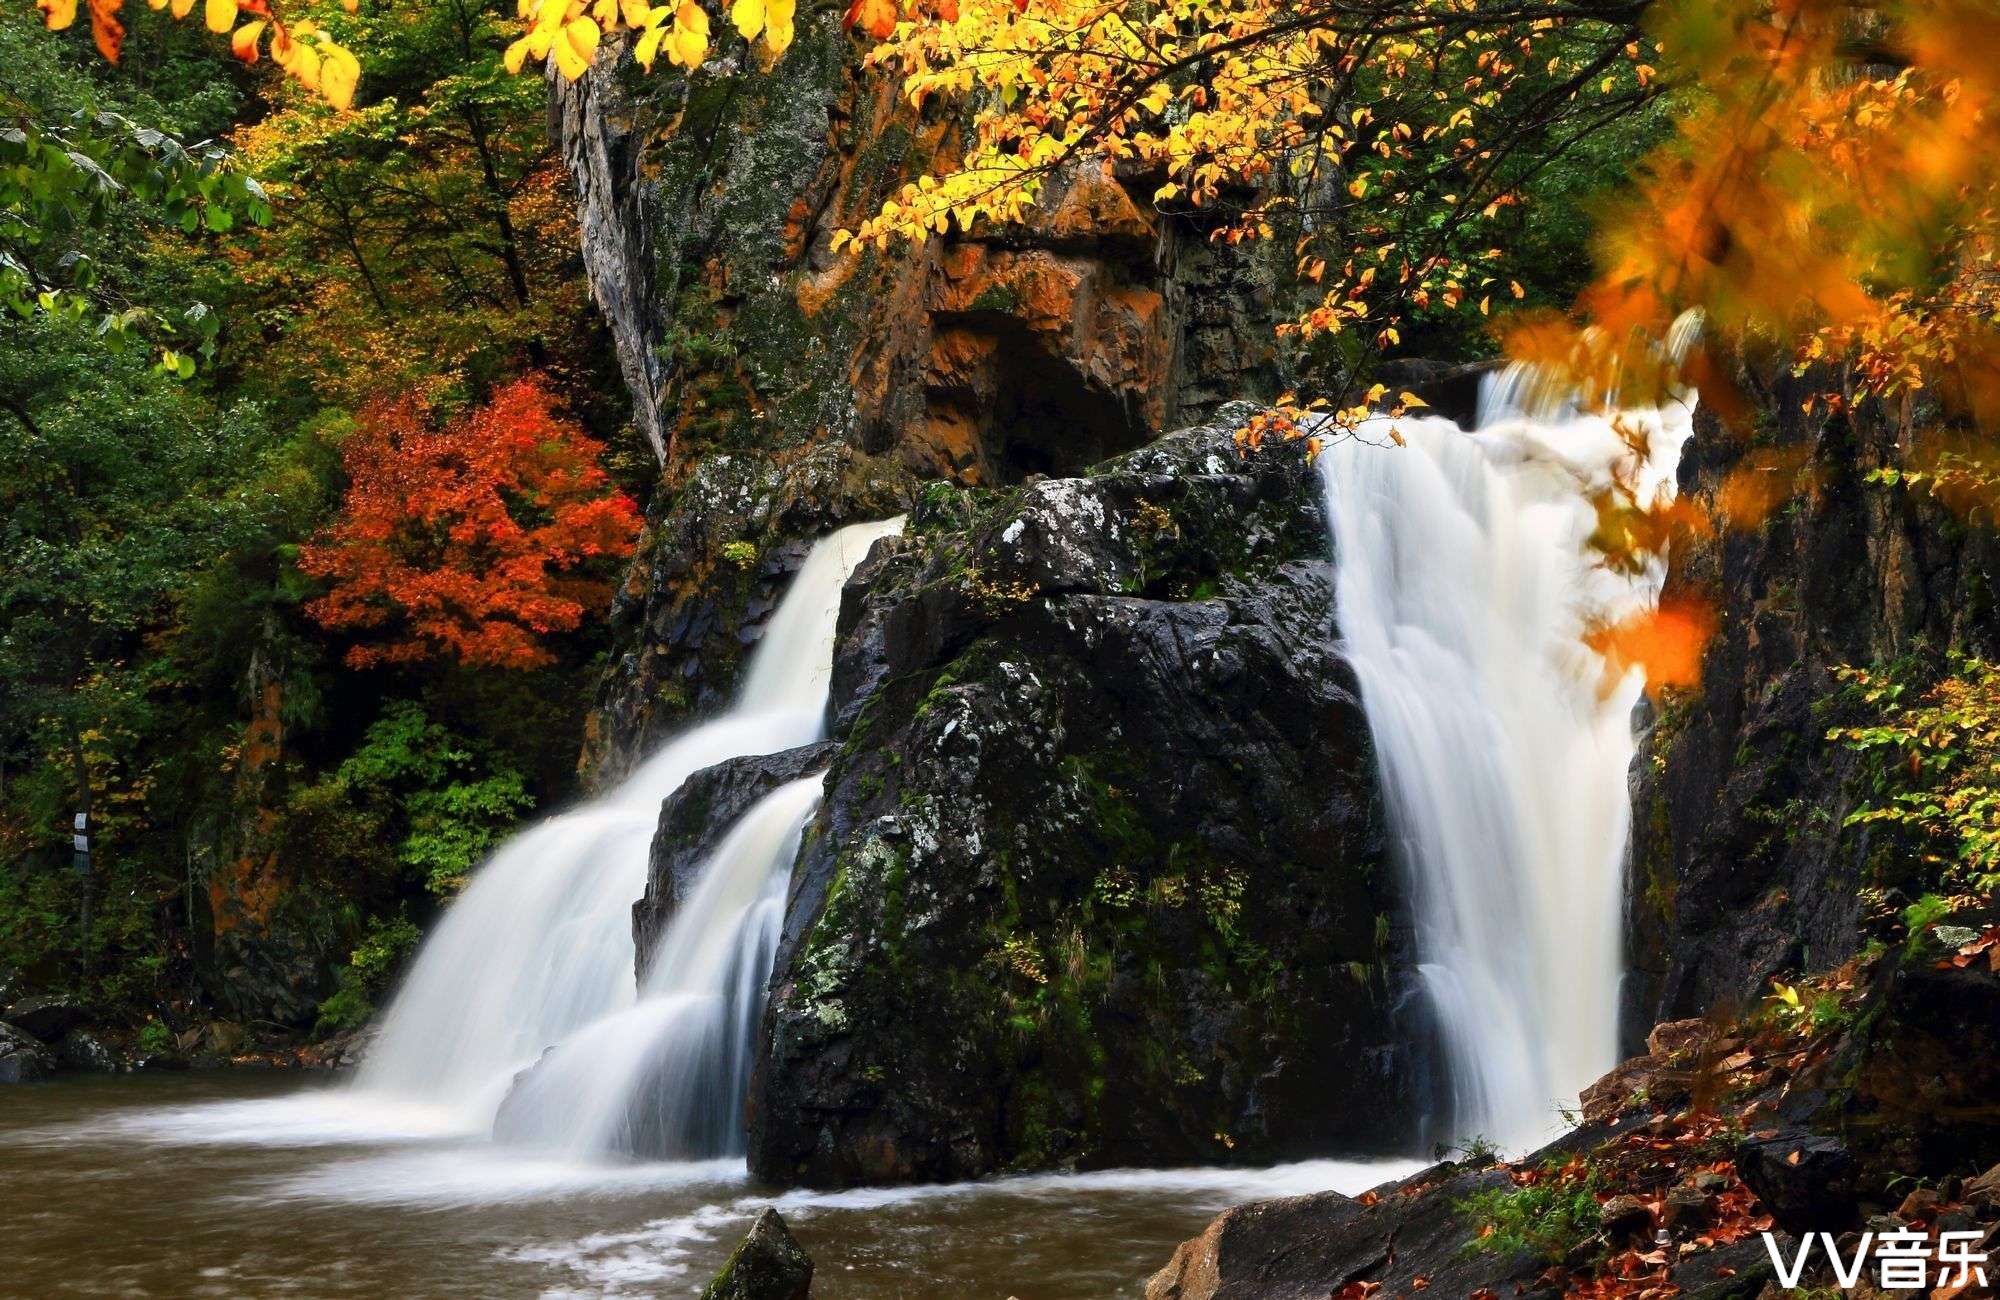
x=1465 y=590
x=540 y=944
x=668 y=1076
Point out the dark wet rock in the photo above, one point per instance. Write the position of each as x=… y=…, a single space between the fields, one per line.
x=1806 y=1180
x=1740 y=867
x=342 y=1051
x=1911 y=1088
x=82 y=1050
x=1449 y=388
x=158 y=1061
x=1984 y=1191
x=23 y=1058
x=1102 y=876
x=1624 y=1219
x=1311 y=1247
x=693 y=821
x=1687 y=1207
x=758 y=359
x=716 y=557
x=1738 y=1271
x=768 y=1265
x=47 y=1017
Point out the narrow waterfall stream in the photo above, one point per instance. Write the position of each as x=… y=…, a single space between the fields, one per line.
x=667 y=1077
x=540 y=944
x=1465 y=589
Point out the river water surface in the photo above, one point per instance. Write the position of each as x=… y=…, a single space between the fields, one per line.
x=256 y=1184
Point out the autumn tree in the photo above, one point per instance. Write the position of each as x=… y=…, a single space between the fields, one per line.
x=425 y=237
x=472 y=539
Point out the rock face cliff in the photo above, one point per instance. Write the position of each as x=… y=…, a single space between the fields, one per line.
x=1741 y=867
x=1101 y=875
x=707 y=210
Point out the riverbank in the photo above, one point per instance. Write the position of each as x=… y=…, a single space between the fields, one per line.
x=44 y=1036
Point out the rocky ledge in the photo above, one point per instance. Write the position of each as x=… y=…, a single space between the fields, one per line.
x=1871 y=1116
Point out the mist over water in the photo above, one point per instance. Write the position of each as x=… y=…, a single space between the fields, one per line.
x=1465 y=588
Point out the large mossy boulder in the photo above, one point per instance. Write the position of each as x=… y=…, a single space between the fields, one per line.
x=693 y=821
x=1103 y=875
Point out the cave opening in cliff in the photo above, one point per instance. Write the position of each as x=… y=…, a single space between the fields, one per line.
x=1048 y=419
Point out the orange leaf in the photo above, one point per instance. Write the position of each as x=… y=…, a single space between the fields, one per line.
x=1666 y=643
x=105 y=28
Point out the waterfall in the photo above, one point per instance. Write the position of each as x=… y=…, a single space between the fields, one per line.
x=1465 y=588
x=539 y=946
x=668 y=1076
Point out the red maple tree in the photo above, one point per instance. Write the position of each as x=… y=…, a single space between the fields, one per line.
x=474 y=538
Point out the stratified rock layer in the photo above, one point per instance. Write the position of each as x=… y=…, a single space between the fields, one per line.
x=707 y=208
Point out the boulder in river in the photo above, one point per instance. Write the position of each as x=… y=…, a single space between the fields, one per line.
x=82 y=1050
x=1102 y=876
x=768 y=1265
x=48 y=1017
x=23 y=1059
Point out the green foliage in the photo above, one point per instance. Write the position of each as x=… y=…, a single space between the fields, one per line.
x=155 y=1039
x=249 y=798
x=450 y=797
x=1920 y=916
x=82 y=179
x=1930 y=747
x=368 y=973
x=1808 y=1008
x=1549 y=1215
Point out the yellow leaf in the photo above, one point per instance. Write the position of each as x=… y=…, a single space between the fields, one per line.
x=180 y=8
x=748 y=15
x=1411 y=400
x=339 y=73
x=648 y=47
x=687 y=45
x=634 y=12
x=243 y=43
x=220 y=15
x=58 y=14
x=516 y=55
x=576 y=48
x=304 y=65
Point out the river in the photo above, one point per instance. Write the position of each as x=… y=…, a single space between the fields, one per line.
x=254 y=1183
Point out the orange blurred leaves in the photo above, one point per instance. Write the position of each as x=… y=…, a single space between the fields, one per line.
x=1665 y=643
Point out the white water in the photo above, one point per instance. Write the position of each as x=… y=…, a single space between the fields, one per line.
x=1465 y=589
x=540 y=944
x=668 y=1077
